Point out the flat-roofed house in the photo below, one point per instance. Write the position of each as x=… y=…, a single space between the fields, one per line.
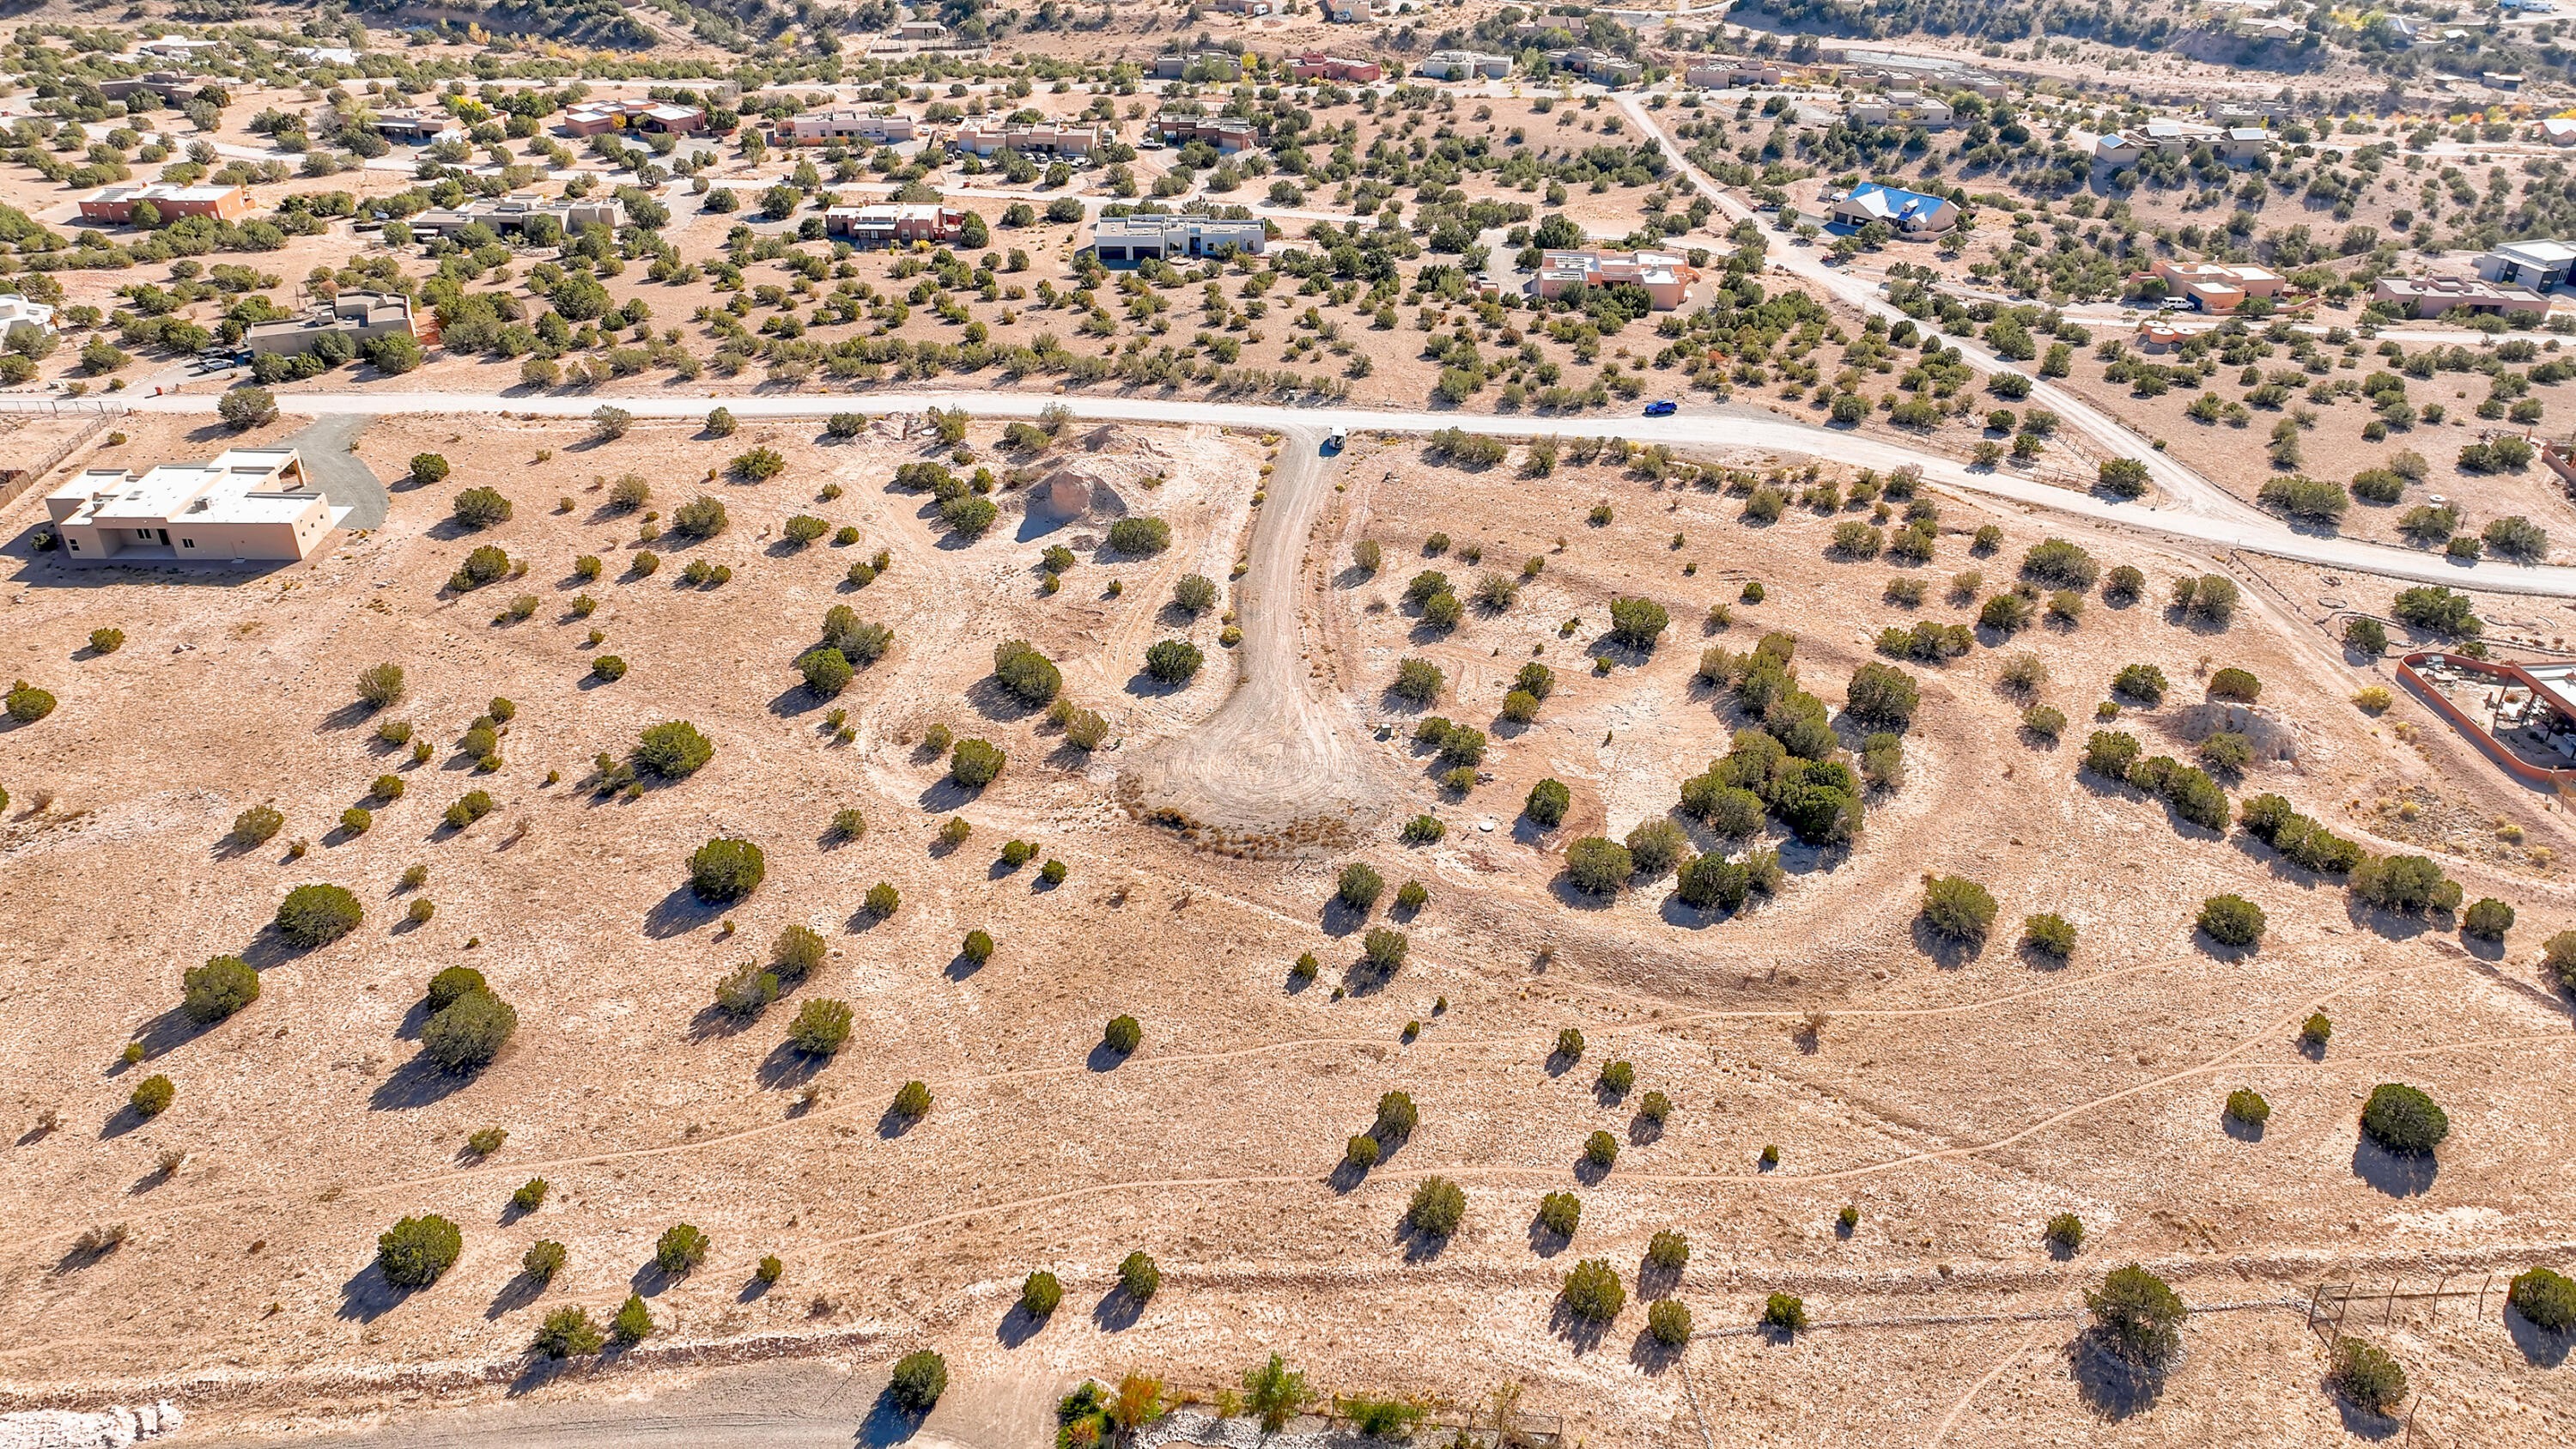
x=1314 y=65
x=1228 y=134
x=979 y=139
x=1901 y=108
x=418 y=125
x=843 y=124
x=1464 y=65
x=2433 y=296
x=16 y=310
x=1198 y=65
x=1665 y=276
x=361 y=317
x=1123 y=241
x=115 y=204
x=2215 y=288
x=894 y=224
x=243 y=504
x=591 y=118
x=2539 y=265
x=1727 y=75
x=169 y=85
x=514 y=211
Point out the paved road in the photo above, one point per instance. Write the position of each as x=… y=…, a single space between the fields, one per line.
x=2202 y=521
x=325 y=443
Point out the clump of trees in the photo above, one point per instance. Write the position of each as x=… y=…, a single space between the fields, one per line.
x=1791 y=765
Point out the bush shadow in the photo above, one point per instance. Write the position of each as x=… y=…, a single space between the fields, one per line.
x=788 y=1066
x=1104 y=1058
x=516 y=1294
x=679 y=913
x=2398 y=1174
x=1581 y=1333
x=2110 y=1386
x=1018 y=1326
x=1947 y=952
x=419 y=1082
x=2363 y=1423
x=1545 y=1241
x=1652 y=1355
x=2540 y=1347
x=366 y=1296
x=2241 y=1130
x=1117 y=1310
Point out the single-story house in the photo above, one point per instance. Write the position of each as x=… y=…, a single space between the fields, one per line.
x=243 y=504
x=2539 y=265
x=418 y=125
x=18 y=311
x=1228 y=134
x=894 y=224
x=841 y=125
x=360 y=317
x=1464 y=65
x=1121 y=241
x=977 y=138
x=1911 y=213
x=115 y=205
x=515 y=211
x=591 y=118
x=2433 y=296
x=1314 y=65
x=1665 y=276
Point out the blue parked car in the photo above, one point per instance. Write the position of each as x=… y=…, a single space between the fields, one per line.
x=1662 y=407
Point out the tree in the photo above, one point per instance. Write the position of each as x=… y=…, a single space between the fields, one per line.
x=1173 y=661
x=726 y=869
x=673 y=750
x=1547 y=803
x=1636 y=623
x=1417 y=681
x=317 y=915
x=2367 y=1375
x=1139 y=536
x=566 y=1332
x=1359 y=886
x=2367 y=635
x=681 y=1248
x=1601 y=1149
x=428 y=468
x=2544 y=1297
x=1195 y=593
x=1597 y=865
x=975 y=763
x=1274 y=1393
x=414 y=1251
x=633 y=1323
x=1958 y=908
x=1560 y=1213
x=1040 y=1293
x=1438 y=1206
x=1784 y=1313
x=448 y=985
x=1123 y=1035
x=1138 y=1402
x=1881 y=694
x=2247 y=1106
x=380 y=684
x=1027 y=675
x=2122 y=477
x=2231 y=920
x=2487 y=919
x=1669 y=1320
x=1592 y=1291
x=2139 y=1317
x=2403 y=1119
x=702 y=517
x=1138 y=1277
x=242 y=408
x=820 y=1028
x=826 y=670
x=224 y=985
x=470 y=1032
x=1384 y=949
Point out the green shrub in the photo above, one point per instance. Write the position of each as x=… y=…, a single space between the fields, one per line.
x=1384 y=949
x=1597 y=865
x=1438 y=1206
x=257 y=826
x=726 y=869
x=633 y=1323
x=2487 y=919
x=1360 y=1152
x=2406 y=883
x=920 y=1377
x=954 y=830
x=1636 y=623
x=975 y=763
x=2545 y=1297
x=1668 y=1250
x=2316 y=1031
x=797 y=953
x=2235 y=684
x=2139 y=1317
x=1040 y=1293
x=2064 y=1232
x=106 y=641
x=1569 y=1044
x=883 y=900
x=1592 y=1291
x=1418 y=681
x=827 y=671
x=821 y=1026
x=1784 y=1313
x=224 y=985
x=470 y=1032
x=2247 y=1106
x=1029 y=676
x=1139 y=536
x=1655 y=1107
x=481 y=508
x=531 y=1195
x=978 y=946
x=1958 y=908
x=1560 y=1213
x=317 y=915
x=2049 y=935
x=153 y=1095
x=2403 y=1119
x=482 y=566
x=1422 y=830
x=2144 y=683
x=1601 y=1149
x=2231 y=920
x=357 y=820
x=1669 y=1321
x=428 y=469
x=1138 y=1276
x=2111 y=753
x=701 y=517
x=673 y=750
x=1123 y=1035
x=413 y=1252
x=608 y=668
x=1359 y=886
x=1881 y=694
x=912 y=1100
x=2367 y=1376
x=1173 y=661
x=567 y=1332
x=2558 y=954
x=682 y=1247
x=450 y=984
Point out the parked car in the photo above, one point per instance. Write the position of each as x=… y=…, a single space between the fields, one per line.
x=1662 y=407
x=1334 y=440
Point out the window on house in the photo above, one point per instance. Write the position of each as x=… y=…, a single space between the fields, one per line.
x=187 y=543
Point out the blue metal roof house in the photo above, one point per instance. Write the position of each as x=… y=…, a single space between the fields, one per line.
x=1910 y=213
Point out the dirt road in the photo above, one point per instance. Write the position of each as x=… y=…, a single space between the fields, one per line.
x=1274 y=752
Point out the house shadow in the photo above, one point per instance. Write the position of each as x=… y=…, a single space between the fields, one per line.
x=1581 y=1333
x=419 y=1082
x=2110 y=1386
x=679 y=913
x=366 y=1296
x=1117 y=1310
x=2398 y=1174
x=521 y=1291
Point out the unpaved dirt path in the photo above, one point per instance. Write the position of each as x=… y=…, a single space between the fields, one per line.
x=1273 y=753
